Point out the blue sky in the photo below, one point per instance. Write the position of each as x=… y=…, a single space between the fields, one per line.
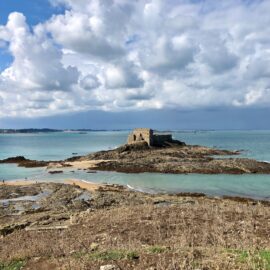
x=183 y=64
x=36 y=11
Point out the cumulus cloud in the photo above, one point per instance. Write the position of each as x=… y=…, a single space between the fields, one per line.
x=89 y=82
x=122 y=76
x=119 y=55
x=169 y=54
x=37 y=63
x=79 y=33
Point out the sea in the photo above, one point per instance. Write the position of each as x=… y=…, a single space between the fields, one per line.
x=61 y=145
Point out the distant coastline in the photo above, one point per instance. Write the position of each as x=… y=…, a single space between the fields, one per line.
x=49 y=130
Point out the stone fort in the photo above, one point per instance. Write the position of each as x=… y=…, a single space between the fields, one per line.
x=149 y=136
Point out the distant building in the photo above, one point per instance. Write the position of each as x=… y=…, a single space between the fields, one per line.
x=148 y=135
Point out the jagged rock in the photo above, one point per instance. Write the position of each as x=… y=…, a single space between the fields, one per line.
x=24 y=162
x=5 y=230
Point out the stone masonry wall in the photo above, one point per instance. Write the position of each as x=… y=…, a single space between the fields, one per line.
x=161 y=139
x=141 y=134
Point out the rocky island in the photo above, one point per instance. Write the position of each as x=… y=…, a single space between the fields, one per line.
x=147 y=151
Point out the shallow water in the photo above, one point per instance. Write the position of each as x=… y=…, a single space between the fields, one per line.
x=55 y=146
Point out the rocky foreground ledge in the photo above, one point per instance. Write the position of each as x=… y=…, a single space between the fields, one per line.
x=174 y=158
x=60 y=226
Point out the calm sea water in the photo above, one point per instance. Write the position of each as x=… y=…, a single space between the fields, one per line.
x=55 y=146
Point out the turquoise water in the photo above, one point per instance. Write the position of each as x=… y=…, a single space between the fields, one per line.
x=55 y=146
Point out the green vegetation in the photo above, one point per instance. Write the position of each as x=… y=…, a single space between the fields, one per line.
x=132 y=255
x=265 y=257
x=13 y=265
x=113 y=255
x=241 y=255
x=257 y=259
x=156 y=249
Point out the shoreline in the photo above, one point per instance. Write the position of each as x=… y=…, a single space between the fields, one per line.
x=92 y=187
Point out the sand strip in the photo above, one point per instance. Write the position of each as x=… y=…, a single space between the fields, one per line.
x=83 y=184
x=17 y=183
x=81 y=164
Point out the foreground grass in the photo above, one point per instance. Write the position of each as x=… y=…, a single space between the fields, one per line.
x=113 y=255
x=132 y=232
x=156 y=249
x=255 y=259
x=13 y=265
x=240 y=259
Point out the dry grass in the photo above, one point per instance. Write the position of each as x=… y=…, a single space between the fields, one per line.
x=195 y=233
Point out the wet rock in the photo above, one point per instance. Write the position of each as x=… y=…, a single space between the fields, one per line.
x=91 y=171
x=24 y=162
x=55 y=172
x=17 y=159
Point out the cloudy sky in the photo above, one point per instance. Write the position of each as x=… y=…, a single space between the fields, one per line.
x=120 y=63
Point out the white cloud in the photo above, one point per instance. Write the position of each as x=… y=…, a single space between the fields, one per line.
x=122 y=76
x=169 y=54
x=122 y=55
x=89 y=82
x=37 y=63
x=84 y=34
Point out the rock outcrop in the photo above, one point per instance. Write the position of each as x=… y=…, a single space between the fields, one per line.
x=178 y=159
x=24 y=162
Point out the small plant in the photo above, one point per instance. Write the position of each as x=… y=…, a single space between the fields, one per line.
x=132 y=255
x=13 y=265
x=242 y=255
x=265 y=257
x=113 y=255
x=79 y=254
x=156 y=249
x=258 y=259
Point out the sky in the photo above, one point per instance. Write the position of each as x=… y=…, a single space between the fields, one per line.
x=176 y=64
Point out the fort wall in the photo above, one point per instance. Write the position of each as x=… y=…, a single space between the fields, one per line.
x=161 y=139
x=141 y=134
x=148 y=135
